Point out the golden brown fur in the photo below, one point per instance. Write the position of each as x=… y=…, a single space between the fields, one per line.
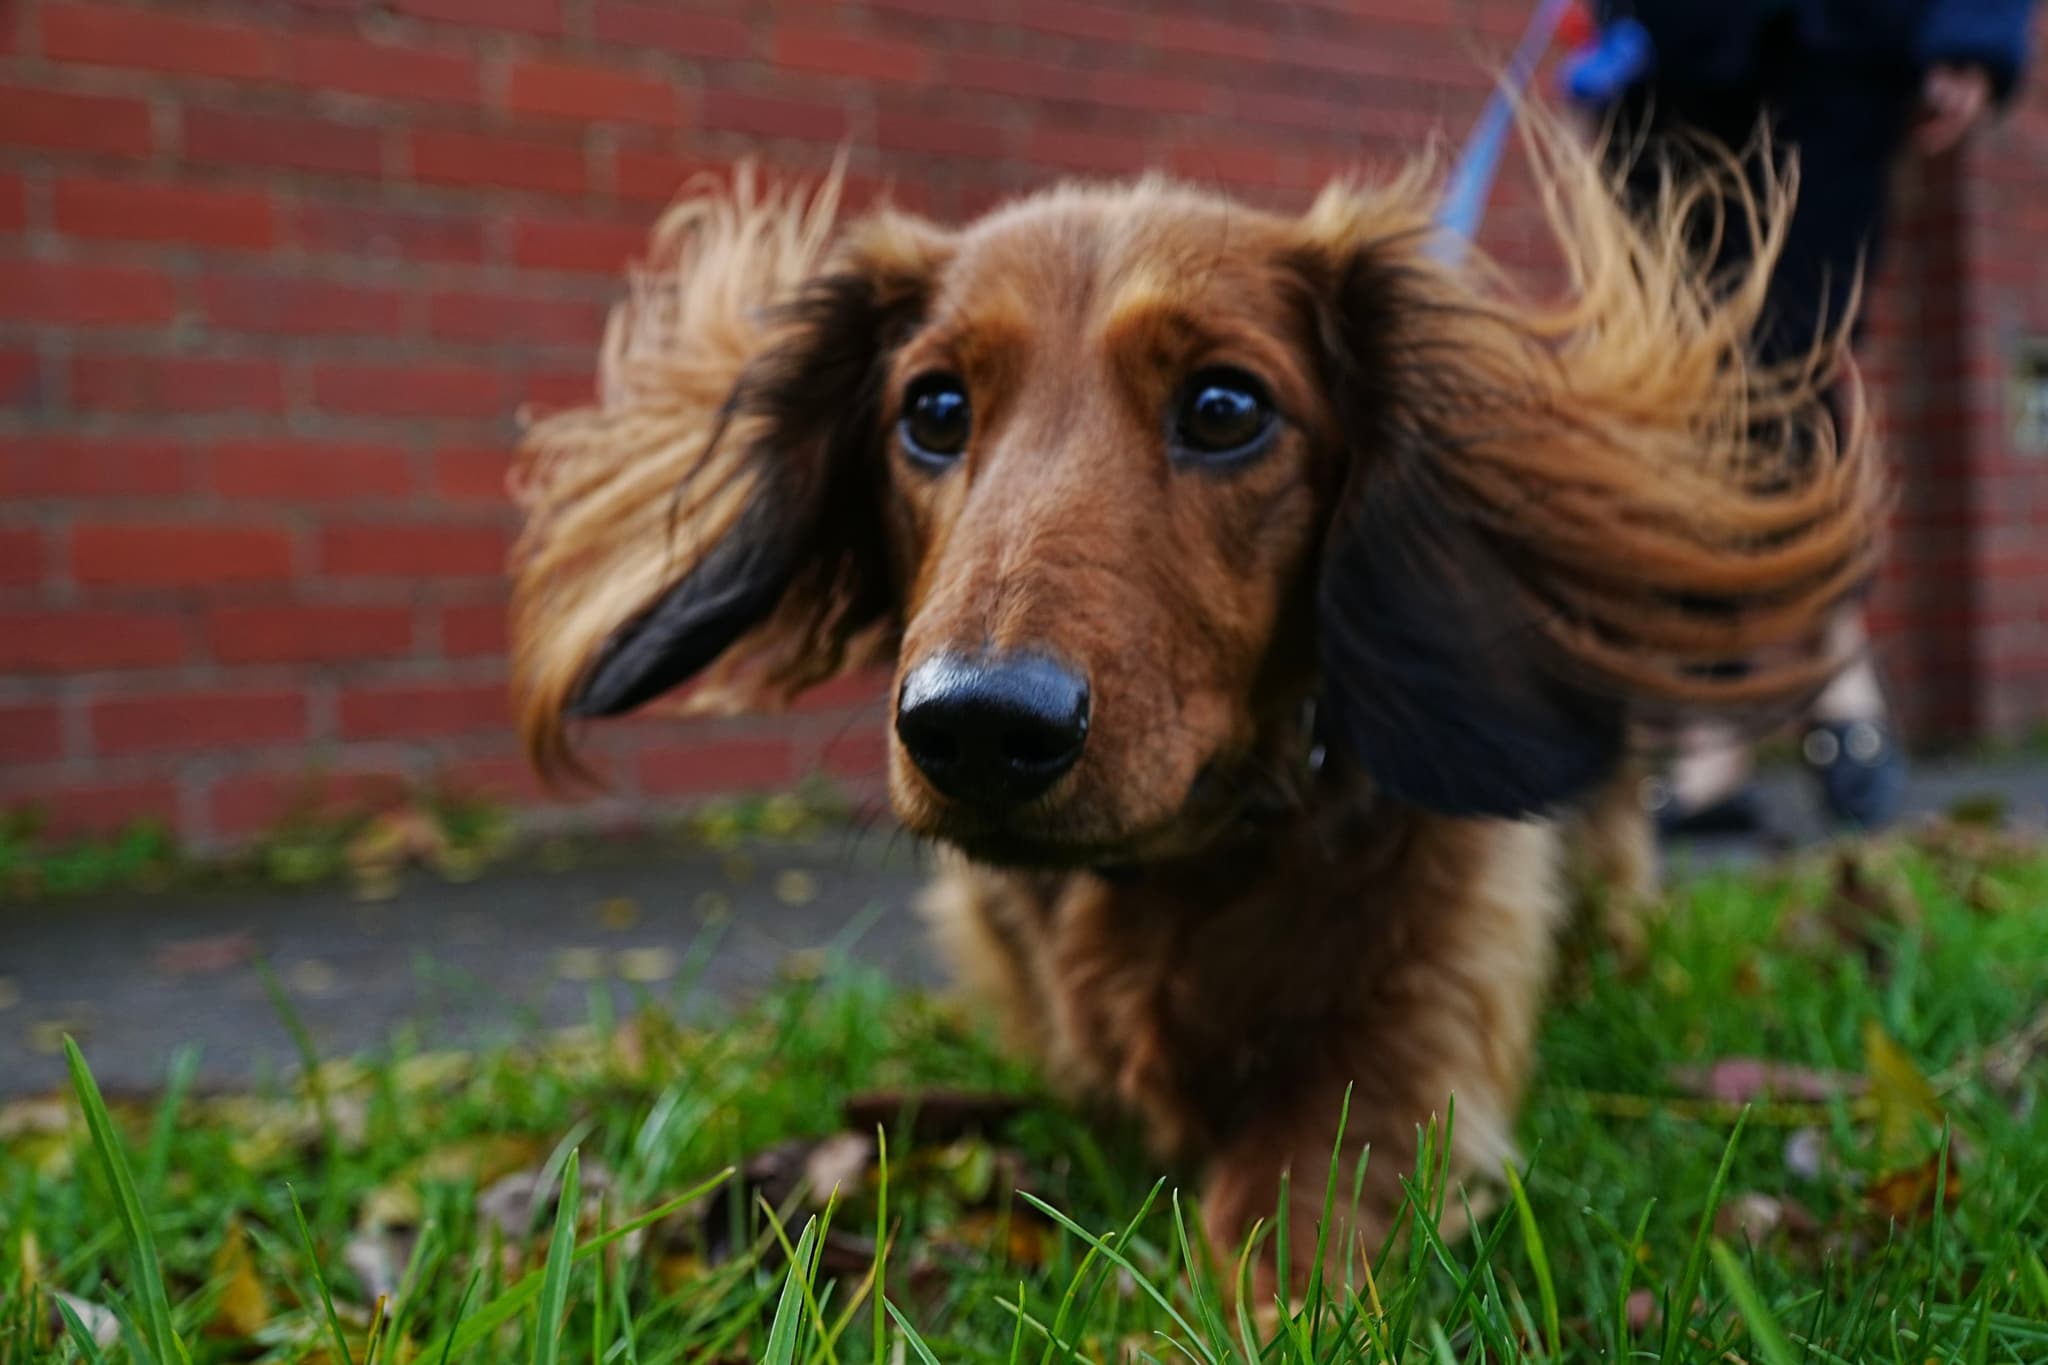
x=1350 y=698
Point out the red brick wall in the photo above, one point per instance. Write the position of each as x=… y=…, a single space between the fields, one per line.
x=275 y=276
x=1962 y=614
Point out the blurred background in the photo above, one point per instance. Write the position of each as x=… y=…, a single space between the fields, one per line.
x=277 y=280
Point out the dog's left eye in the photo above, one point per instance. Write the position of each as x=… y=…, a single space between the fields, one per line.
x=936 y=419
x=1222 y=414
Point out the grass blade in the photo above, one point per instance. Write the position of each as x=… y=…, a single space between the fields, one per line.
x=1539 y=1262
x=791 y=1307
x=917 y=1346
x=554 y=1287
x=149 y=1271
x=513 y=1300
x=309 y=1055
x=341 y=1351
x=156 y=1159
x=1115 y=1256
x=882 y=1241
x=1764 y=1330
x=81 y=1335
x=461 y=1312
x=1678 y=1305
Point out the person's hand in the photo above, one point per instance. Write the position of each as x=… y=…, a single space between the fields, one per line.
x=1951 y=100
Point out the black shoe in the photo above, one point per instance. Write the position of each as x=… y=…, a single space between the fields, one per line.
x=1860 y=768
x=1741 y=812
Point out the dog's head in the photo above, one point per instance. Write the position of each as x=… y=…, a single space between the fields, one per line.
x=1121 y=477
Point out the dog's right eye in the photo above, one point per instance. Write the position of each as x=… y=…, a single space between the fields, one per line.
x=936 y=419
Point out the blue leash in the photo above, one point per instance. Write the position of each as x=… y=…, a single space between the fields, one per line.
x=1464 y=202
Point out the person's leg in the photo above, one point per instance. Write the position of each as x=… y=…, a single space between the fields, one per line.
x=1707 y=787
x=1847 y=129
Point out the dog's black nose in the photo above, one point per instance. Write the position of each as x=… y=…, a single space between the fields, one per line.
x=993 y=731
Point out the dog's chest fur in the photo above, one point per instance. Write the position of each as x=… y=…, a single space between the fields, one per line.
x=1395 y=951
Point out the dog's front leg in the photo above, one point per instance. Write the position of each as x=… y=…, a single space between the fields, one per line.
x=1442 y=1029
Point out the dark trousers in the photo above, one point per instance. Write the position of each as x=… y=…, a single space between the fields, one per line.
x=1847 y=125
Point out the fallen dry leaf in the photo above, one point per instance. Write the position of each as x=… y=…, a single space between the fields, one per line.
x=1992 y=896
x=378 y=1257
x=1757 y=1217
x=204 y=956
x=1981 y=810
x=929 y=1116
x=391 y=840
x=426 y=1072
x=1748 y=1080
x=244 y=1306
x=579 y=964
x=40 y=1116
x=518 y=1202
x=1808 y=1155
x=46 y=1036
x=1905 y=1101
x=1908 y=1194
x=841 y=1161
x=481 y=1159
x=673 y=1271
x=313 y=978
x=1907 y=1114
x=2006 y=1063
x=647 y=966
x=1869 y=895
x=619 y=913
x=795 y=887
x=100 y=1323
x=1020 y=1235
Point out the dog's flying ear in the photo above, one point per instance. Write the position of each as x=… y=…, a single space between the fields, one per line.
x=1438 y=674
x=806 y=414
x=719 y=512
x=1558 y=517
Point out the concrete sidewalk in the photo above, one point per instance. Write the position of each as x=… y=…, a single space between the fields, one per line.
x=522 y=948
x=464 y=963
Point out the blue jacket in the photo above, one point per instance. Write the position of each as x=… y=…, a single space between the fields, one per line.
x=1717 y=41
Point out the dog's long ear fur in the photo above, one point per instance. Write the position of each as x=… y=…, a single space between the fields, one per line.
x=1560 y=516
x=717 y=514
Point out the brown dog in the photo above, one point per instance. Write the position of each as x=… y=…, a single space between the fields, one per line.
x=1263 y=598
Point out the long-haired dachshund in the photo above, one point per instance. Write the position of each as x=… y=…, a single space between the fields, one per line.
x=1270 y=604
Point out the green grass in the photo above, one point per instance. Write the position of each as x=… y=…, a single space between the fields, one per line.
x=264 y=1228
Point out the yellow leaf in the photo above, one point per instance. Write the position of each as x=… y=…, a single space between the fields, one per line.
x=796 y=887
x=1908 y=1195
x=313 y=977
x=46 y=1036
x=645 y=966
x=1902 y=1096
x=783 y=815
x=619 y=913
x=432 y=1071
x=674 y=1271
x=244 y=1307
x=579 y=964
x=393 y=1205
x=483 y=1160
